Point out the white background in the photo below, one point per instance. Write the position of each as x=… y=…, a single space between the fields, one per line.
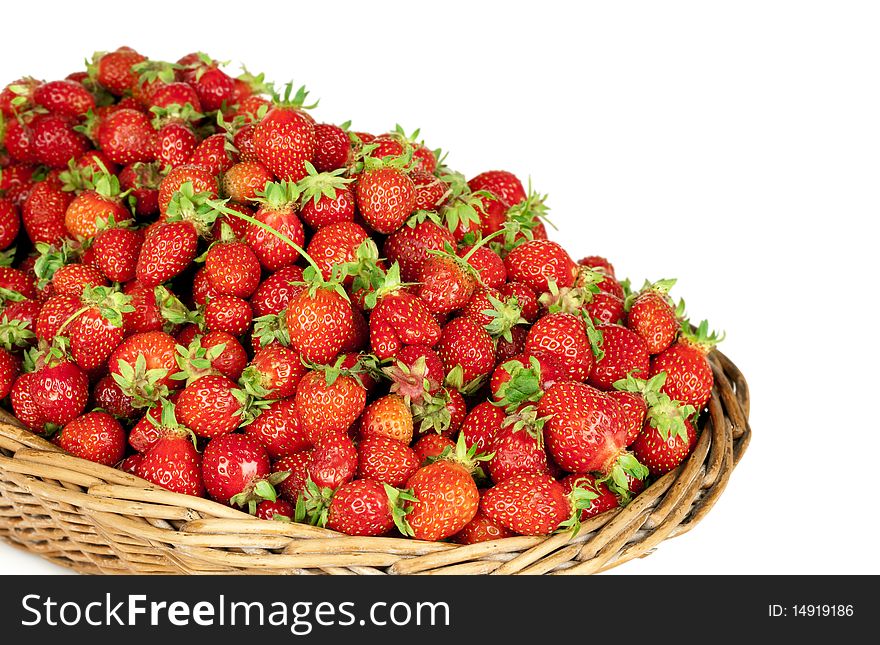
x=735 y=146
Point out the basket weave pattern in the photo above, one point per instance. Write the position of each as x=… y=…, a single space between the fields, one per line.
x=96 y=519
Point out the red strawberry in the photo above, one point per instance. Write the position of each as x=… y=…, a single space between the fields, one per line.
x=170 y=94
x=127 y=136
x=130 y=463
x=332 y=147
x=335 y=244
x=386 y=197
x=409 y=321
x=689 y=376
x=482 y=426
x=173 y=461
x=634 y=409
x=501 y=183
x=390 y=416
x=442 y=412
x=201 y=179
x=276 y=291
x=24 y=405
x=538 y=262
x=233 y=269
x=519 y=446
x=278 y=429
x=319 y=323
x=277 y=211
x=481 y=529
x=523 y=379
x=116 y=252
x=360 y=508
x=417 y=370
x=410 y=246
x=562 y=337
x=432 y=445
x=146 y=315
x=108 y=396
x=446 y=283
x=56 y=142
x=667 y=438
x=586 y=432
x=228 y=314
x=328 y=401
x=236 y=470
x=284 y=140
x=446 y=498
x=97 y=330
x=174 y=144
x=605 y=500
x=488 y=264
x=54 y=313
x=95 y=436
x=623 y=352
x=279 y=509
x=430 y=190
x=17 y=281
x=386 y=460
x=334 y=460
x=245 y=180
x=212 y=156
x=65 y=98
x=60 y=389
x=275 y=372
x=10 y=222
x=295 y=466
x=143 y=180
x=212 y=85
x=8 y=372
x=144 y=365
x=466 y=345
x=652 y=317
x=42 y=213
x=211 y=406
x=528 y=504
x=114 y=72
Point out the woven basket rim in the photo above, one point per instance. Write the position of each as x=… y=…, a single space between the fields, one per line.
x=97 y=519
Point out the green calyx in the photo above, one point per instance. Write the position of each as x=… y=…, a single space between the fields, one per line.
x=661 y=288
x=195 y=361
x=258 y=491
x=464 y=456
x=431 y=413
x=581 y=500
x=409 y=382
x=402 y=162
x=172 y=310
x=669 y=417
x=313 y=504
x=649 y=389
x=142 y=385
x=505 y=315
x=279 y=196
x=110 y=303
x=50 y=259
x=251 y=405
x=149 y=71
x=522 y=219
x=625 y=467
x=175 y=113
x=526 y=420
x=290 y=99
x=317 y=185
x=272 y=328
x=199 y=209
x=593 y=335
x=401 y=501
x=367 y=276
x=257 y=82
x=455 y=379
x=14 y=333
x=524 y=385
x=701 y=337
x=333 y=372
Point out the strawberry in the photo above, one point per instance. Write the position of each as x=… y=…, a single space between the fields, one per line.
x=108 y=396
x=278 y=429
x=236 y=471
x=175 y=93
x=274 y=294
x=295 y=467
x=390 y=416
x=245 y=180
x=284 y=140
x=127 y=136
x=146 y=315
x=24 y=405
x=278 y=212
x=446 y=497
x=174 y=143
x=332 y=147
x=447 y=282
x=211 y=406
x=481 y=529
x=432 y=445
x=73 y=279
x=212 y=156
x=10 y=222
x=652 y=316
x=416 y=371
x=212 y=85
x=173 y=461
x=232 y=269
x=386 y=460
x=98 y=329
x=130 y=463
x=335 y=244
x=360 y=508
x=329 y=400
x=668 y=436
x=95 y=436
x=202 y=181
x=467 y=347
x=214 y=352
x=519 y=446
x=410 y=246
x=17 y=97
x=16 y=183
x=228 y=314
x=65 y=98
x=9 y=369
x=56 y=142
x=482 y=426
x=144 y=365
x=142 y=179
x=386 y=197
x=538 y=262
x=501 y=183
x=689 y=376
x=54 y=313
x=634 y=409
x=604 y=499
x=586 y=432
x=430 y=190
x=488 y=265
x=523 y=379
x=334 y=460
x=275 y=372
x=319 y=320
x=60 y=389
x=42 y=213
x=91 y=211
x=404 y=317
x=623 y=352
x=598 y=263
x=529 y=504
x=113 y=70
x=563 y=338
x=116 y=252
x=279 y=510
x=442 y=412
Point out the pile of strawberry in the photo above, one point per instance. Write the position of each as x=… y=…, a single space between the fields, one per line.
x=206 y=287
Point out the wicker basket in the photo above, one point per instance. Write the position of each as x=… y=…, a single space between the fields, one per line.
x=96 y=519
